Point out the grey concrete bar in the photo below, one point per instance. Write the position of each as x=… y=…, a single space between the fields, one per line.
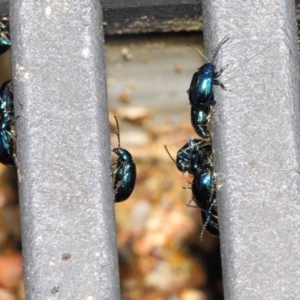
x=256 y=146
x=66 y=196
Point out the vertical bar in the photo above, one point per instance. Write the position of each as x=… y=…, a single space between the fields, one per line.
x=66 y=197
x=256 y=143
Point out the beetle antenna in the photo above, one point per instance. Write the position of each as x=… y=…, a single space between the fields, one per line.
x=118 y=131
x=186 y=187
x=204 y=228
x=224 y=40
x=170 y=154
x=199 y=52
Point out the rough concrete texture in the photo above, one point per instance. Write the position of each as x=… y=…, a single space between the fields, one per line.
x=256 y=146
x=66 y=196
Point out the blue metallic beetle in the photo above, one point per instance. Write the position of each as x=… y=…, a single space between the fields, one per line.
x=7 y=125
x=204 y=196
x=7 y=120
x=7 y=100
x=195 y=157
x=186 y=160
x=200 y=118
x=201 y=159
x=204 y=188
x=201 y=88
x=4 y=38
x=124 y=173
x=7 y=143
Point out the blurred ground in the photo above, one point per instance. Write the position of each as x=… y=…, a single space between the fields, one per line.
x=160 y=252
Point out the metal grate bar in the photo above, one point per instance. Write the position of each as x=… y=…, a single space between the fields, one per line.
x=256 y=143
x=66 y=197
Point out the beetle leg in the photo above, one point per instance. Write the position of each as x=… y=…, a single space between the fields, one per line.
x=213 y=101
x=189 y=205
x=217 y=82
x=208 y=219
x=118 y=184
x=113 y=171
x=217 y=74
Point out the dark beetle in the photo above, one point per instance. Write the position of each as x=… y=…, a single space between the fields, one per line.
x=4 y=38
x=200 y=117
x=7 y=100
x=125 y=172
x=201 y=88
x=185 y=154
x=203 y=189
x=185 y=160
x=7 y=125
x=201 y=159
x=204 y=196
x=7 y=142
x=7 y=120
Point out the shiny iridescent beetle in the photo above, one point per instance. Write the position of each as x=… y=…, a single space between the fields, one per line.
x=7 y=100
x=195 y=157
x=185 y=159
x=204 y=196
x=7 y=120
x=200 y=118
x=124 y=173
x=201 y=88
x=7 y=125
x=4 y=37
x=204 y=188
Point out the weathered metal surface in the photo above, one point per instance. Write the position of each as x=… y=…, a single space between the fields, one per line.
x=66 y=196
x=256 y=146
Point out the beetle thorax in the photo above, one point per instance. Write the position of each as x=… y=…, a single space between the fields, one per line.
x=123 y=154
x=208 y=69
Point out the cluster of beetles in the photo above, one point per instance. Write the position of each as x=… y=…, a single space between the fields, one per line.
x=195 y=157
x=124 y=173
x=7 y=119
